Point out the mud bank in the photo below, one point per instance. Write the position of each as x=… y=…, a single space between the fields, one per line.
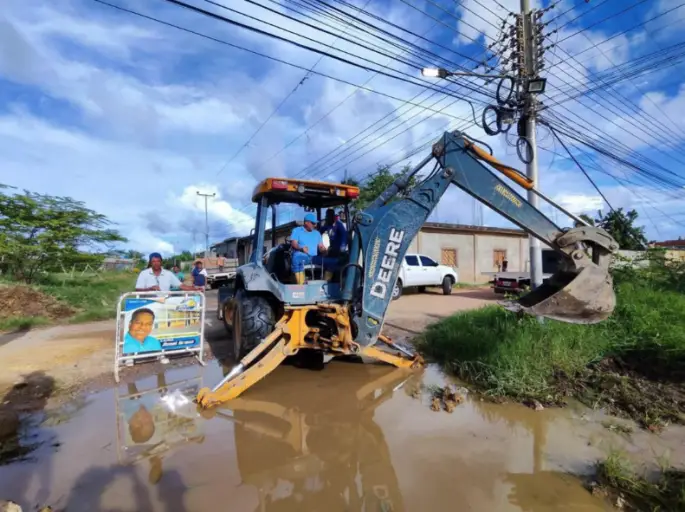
x=350 y=437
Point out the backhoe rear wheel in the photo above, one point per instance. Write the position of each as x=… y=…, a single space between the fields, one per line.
x=253 y=320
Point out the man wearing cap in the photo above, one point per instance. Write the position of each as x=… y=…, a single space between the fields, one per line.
x=155 y=278
x=307 y=244
x=337 y=233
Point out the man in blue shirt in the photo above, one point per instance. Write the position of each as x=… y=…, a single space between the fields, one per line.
x=199 y=276
x=337 y=233
x=307 y=245
x=138 y=337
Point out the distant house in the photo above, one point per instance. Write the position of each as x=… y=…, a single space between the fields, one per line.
x=674 y=245
x=114 y=263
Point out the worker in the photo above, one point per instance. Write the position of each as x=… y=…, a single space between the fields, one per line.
x=337 y=233
x=307 y=244
x=156 y=279
x=199 y=275
x=220 y=262
x=505 y=265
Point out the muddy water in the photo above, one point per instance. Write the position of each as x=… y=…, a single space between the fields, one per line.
x=351 y=437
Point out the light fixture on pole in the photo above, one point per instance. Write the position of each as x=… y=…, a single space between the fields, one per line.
x=536 y=85
x=435 y=72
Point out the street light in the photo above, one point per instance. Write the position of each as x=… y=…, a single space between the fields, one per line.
x=435 y=72
x=443 y=73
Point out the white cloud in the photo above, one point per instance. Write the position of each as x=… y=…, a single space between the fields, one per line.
x=580 y=203
x=218 y=207
x=133 y=118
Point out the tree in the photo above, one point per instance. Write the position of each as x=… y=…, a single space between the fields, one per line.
x=46 y=233
x=377 y=183
x=587 y=219
x=621 y=226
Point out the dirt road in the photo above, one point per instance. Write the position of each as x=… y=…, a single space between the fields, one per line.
x=349 y=438
x=74 y=355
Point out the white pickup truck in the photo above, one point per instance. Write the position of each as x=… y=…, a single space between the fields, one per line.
x=421 y=271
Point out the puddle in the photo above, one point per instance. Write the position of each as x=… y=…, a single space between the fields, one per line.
x=351 y=437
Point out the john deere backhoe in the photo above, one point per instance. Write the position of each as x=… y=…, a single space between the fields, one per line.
x=272 y=317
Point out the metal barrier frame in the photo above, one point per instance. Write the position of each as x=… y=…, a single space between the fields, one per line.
x=118 y=345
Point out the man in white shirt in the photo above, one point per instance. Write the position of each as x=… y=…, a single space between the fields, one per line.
x=155 y=278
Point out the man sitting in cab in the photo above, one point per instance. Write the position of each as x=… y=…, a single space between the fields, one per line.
x=337 y=233
x=307 y=245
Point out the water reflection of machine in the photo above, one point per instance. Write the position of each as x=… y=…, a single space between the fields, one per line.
x=152 y=421
x=306 y=452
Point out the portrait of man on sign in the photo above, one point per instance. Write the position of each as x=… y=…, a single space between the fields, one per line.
x=138 y=337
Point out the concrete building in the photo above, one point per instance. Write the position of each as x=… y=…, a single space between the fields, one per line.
x=470 y=249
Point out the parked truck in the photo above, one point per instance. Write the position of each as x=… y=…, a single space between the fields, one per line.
x=519 y=282
x=218 y=277
x=418 y=270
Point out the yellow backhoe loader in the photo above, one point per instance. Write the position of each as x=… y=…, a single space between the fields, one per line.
x=336 y=306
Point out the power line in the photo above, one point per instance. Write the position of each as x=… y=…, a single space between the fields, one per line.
x=554 y=132
x=259 y=128
x=260 y=54
x=619 y=33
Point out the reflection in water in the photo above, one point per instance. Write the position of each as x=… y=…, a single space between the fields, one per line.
x=349 y=438
x=151 y=421
x=304 y=454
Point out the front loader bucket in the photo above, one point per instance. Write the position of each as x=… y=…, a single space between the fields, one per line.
x=584 y=296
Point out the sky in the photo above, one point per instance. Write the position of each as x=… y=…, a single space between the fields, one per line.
x=134 y=117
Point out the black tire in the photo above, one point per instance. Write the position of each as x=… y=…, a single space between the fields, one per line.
x=422 y=289
x=253 y=320
x=397 y=290
x=447 y=284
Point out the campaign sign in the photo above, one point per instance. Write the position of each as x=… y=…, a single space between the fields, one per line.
x=153 y=419
x=153 y=325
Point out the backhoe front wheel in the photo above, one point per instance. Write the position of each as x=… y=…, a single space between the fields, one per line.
x=253 y=320
x=447 y=285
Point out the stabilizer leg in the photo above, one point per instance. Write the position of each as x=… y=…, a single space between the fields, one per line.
x=403 y=358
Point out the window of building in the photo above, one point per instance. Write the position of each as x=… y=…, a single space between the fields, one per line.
x=448 y=256
x=412 y=261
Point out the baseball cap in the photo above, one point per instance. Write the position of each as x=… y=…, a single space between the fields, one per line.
x=310 y=217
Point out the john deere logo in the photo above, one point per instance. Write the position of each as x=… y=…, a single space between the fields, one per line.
x=388 y=264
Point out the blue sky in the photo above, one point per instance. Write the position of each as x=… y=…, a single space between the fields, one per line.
x=134 y=117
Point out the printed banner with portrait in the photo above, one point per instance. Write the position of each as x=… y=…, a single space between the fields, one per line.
x=152 y=325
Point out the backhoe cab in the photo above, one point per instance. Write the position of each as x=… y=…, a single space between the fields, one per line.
x=272 y=316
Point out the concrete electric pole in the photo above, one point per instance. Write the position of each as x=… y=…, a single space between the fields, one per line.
x=206 y=223
x=527 y=50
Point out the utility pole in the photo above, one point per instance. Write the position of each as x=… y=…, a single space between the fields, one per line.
x=527 y=51
x=206 y=196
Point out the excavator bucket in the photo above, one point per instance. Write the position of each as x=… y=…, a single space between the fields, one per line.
x=577 y=296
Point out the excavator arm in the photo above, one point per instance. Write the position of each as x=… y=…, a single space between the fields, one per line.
x=581 y=292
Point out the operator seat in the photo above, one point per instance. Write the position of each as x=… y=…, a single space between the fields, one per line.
x=278 y=263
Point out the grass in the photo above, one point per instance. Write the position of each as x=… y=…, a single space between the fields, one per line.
x=617 y=478
x=93 y=297
x=21 y=323
x=517 y=357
